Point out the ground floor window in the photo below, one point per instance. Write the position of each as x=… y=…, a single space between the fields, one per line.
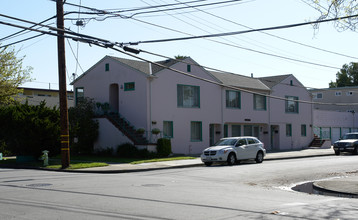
x=303 y=130
x=196 y=131
x=288 y=130
x=168 y=129
x=236 y=130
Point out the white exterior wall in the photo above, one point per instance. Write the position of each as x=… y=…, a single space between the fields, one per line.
x=109 y=141
x=332 y=125
x=97 y=81
x=279 y=117
x=164 y=107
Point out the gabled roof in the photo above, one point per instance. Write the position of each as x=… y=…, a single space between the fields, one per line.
x=240 y=81
x=143 y=66
x=272 y=81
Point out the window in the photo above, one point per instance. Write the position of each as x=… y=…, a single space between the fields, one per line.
x=188 y=96
x=247 y=130
x=291 y=104
x=196 y=131
x=235 y=130
x=130 y=86
x=303 y=130
x=233 y=99
x=288 y=130
x=168 y=129
x=80 y=96
x=107 y=67
x=188 y=68
x=250 y=141
x=226 y=131
x=338 y=93
x=291 y=83
x=349 y=93
x=259 y=102
x=317 y=95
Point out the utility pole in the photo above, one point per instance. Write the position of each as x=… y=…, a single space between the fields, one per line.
x=65 y=143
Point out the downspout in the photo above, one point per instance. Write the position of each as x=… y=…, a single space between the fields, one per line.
x=150 y=103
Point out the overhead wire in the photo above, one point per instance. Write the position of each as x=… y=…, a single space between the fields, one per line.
x=273 y=35
x=104 y=44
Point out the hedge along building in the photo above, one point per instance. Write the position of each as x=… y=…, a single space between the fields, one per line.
x=192 y=112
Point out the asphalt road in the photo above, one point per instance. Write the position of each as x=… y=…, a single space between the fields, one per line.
x=245 y=191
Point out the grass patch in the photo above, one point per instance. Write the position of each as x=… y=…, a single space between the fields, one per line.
x=162 y=159
x=75 y=165
x=81 y=162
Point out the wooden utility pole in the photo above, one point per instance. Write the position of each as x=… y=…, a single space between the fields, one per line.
x=65 y=140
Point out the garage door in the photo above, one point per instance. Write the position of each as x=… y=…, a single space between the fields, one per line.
x=336 y=134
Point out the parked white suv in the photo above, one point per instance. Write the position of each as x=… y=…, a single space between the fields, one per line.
x=234 y=149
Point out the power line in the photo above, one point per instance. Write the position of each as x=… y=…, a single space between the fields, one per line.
x=241 y=32
x=272 y=35
x=104 y=44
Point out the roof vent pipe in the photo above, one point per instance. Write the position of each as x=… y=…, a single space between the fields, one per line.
x=150 y=69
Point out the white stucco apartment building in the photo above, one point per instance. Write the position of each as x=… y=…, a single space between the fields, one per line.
x=195 y=108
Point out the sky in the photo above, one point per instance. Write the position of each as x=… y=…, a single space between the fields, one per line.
x=243 y=54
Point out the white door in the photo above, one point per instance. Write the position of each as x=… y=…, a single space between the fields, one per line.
x=241 y=151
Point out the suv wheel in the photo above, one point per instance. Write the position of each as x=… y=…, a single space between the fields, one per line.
x=355 y=151
x=231 y=159
x=259 y=157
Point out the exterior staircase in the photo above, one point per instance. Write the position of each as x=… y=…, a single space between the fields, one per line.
x=126 y=128
x=317 y=142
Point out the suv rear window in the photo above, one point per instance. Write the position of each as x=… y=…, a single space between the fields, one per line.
x=251 y=141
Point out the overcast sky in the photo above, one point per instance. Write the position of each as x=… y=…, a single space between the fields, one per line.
x=259 y=53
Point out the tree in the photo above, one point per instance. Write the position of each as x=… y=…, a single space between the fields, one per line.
x=335 y=9
x=83 y=128
x=28 y=129
x=347 y=76
x=12 y=75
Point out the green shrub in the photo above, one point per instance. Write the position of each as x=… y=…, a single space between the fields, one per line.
x=164 y=147
x=28 y=130
x=127 y=150
x=4 y=149
x=104 y=151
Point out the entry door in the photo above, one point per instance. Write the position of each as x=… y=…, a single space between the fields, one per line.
x=275 y=137
x=114 y=97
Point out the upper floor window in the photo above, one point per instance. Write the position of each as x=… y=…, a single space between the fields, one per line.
x=80 y=95
x=349 y=93
x=317 y=95
x=130 y=86
x=188 y=96
x=291 y=104
x=339 y=93
x=259 y=102
x=107 y=67
x=188 y=68
x=233 y=99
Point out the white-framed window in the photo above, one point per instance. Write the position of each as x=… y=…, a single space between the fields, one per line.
x=338 y=93
x=233 y=99
x=349 y=93
x=188 y=96
x=317 y=95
